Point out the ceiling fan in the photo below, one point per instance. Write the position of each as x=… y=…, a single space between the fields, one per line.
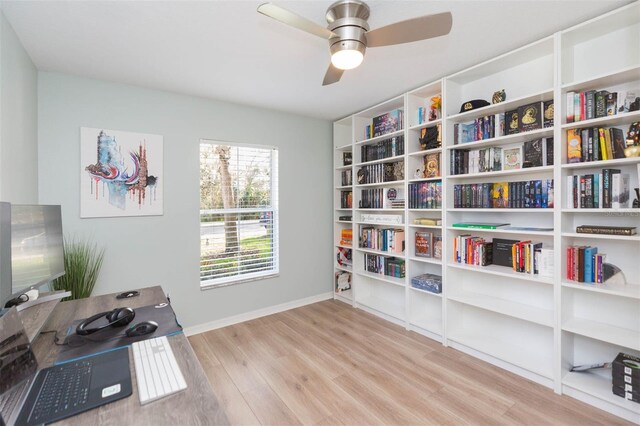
x=349 y=36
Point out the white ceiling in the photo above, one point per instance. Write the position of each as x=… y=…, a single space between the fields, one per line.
x=226 y=50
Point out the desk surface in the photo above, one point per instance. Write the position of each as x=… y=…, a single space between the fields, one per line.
x=195 y=405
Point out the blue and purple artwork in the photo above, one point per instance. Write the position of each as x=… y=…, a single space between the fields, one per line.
x=121 y=173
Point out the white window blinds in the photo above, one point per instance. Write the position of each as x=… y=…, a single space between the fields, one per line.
x=238 y=213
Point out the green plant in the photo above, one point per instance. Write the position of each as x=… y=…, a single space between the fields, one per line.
x=82 y=263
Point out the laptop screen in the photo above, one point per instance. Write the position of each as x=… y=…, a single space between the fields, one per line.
x=17 y=360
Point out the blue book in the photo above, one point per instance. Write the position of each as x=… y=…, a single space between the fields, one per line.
x=589 y=252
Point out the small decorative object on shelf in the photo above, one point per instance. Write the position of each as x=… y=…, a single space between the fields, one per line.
x=474 y=104
x=632 y=142
x=430 y=138
x=499 y=96
x=436 y=106
x=347 y=159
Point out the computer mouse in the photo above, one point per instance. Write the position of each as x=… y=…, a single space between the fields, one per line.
x=142 y=328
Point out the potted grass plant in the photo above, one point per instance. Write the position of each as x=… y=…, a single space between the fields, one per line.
x=82 y=264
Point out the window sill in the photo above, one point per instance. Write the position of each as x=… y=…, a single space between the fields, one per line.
x=210 y=286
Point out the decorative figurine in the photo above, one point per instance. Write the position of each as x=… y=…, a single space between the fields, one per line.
x=498 y=97
x=434 y=110
x=632 y=142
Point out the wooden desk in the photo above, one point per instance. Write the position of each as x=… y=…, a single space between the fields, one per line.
x=195 y=405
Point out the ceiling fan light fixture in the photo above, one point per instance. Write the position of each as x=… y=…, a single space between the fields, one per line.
x=347 y=54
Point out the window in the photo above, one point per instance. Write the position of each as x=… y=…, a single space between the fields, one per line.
x=238 y=213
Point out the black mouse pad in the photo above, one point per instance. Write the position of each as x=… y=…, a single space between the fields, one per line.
x=76 y=346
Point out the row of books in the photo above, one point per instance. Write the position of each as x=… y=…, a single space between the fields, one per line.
x=472 y=250
x=386 y=239
x=585 y=264
x=525 y=118
x=520 y=195
x=384 y=265
x=343 y=281
x=383 y=149
x=595 y=144
x=343 y=257
x=608 y=190
x=597 y=103
x=346 y=199
x=428 y=244
x=346 y=236
x=347 y=178
x=388 y=122
x=425 y=195
x=381 y=198
x=381 y=172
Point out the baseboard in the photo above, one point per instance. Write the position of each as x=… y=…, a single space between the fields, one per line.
x=224 y=322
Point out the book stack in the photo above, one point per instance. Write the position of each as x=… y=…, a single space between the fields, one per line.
x=347 y=178
x=427 y=221
x=606 y=230
x=384 y=149
x=384 y=265
x=597 y=103
x=381 y=172
x=585 y=264
x=346 y=199
x=428 y=282
x=609 y=190
x=386 y=123
x=343 y=281
x=625 y=377
x=520 y=195
x=595 y=144
x=387 y=239
x=427 y=244
x=425 y=195
x=472 y=250
x=346 y=237
x=483 y=160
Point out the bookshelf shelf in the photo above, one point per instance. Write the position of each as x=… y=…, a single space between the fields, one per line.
x=344 y=246
x=598 y=386
x=602 y=164
x=503 y=140
x=505 y=307
x=438 y=295
x=611 y=120
x=623 y=75
x=530 y=325
x=604 y=332
x=383 y=278
x=427 y=260
x=530 y=170
x=630 y=238
x=382 y=160
x=380 y=138
x=503 y=231
x=501 y=107
x=426 y=124
x=380 y=252
x=629 y=290
x=502 y=271
x=343 y=268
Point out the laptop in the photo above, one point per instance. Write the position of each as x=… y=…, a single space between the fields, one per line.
x=29 y=396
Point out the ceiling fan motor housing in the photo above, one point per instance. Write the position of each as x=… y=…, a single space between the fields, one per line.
x=348 y=20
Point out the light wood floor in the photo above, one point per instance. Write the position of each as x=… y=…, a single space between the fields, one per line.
x=328 y=363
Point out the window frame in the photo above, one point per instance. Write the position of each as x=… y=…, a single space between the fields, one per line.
x=274 y=209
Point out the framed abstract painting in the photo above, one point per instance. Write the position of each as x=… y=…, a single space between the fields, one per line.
x=121 y=173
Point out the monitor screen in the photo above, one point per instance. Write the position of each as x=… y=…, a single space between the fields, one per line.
x=37 y=250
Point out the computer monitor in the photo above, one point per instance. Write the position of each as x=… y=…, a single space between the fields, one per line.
x=36 y=246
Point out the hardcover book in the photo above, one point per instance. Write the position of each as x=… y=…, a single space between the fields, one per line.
x=512 y=157
x=387 y=123
x=500 y=195
x=547 y=114
x=502 y=252
x=532 y=154
x=437 y=247
x=347 y=159
x=611 y=103
x=574 y=146
x=530 y=117
x=424 y=244
x=432 y=165
x=511 y=120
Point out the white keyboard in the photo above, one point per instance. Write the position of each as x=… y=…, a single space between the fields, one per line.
x=157 y=371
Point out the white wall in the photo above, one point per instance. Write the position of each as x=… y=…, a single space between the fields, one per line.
x=143 y=251
x=18 y=120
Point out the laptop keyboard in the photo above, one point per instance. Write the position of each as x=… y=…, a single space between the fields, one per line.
x=9 y=400
x=65 y=387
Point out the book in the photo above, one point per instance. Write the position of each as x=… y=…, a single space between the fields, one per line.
x=547 y=114
x=601 y=103
x=547 y=151
x=620 y=191
x=500 y=195
x=502 y=253
x=611 y=103
x=574 y=146
x=532 y=154
x=432 y=165
x=427 y=221
x=437 y=247
x=424 y=244
x=617 y=142
x=480 y=225
x=343 y=281
x=512 y=157
x=530 y=117
x=511 y=122
x=347 y=158
x=428 y=282
x=387 y=123
x=570 y=116
x=606 y=230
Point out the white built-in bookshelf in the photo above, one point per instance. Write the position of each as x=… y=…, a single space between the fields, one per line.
x=535 y=326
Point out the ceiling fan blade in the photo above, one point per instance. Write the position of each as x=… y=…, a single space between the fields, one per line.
x=333 y=75
x=296 y=21
x=410 y=30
